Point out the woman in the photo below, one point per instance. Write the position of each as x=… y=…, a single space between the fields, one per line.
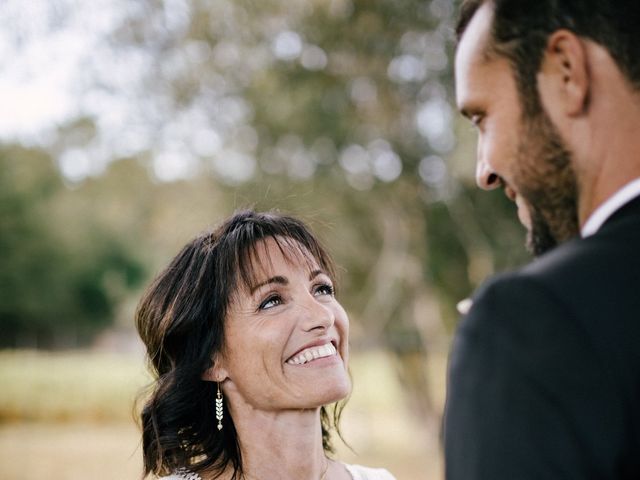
x=249 y=345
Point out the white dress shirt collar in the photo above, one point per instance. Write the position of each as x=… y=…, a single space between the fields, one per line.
x=600 y=215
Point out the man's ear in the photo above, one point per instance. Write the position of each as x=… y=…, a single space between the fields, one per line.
x=217 y=372
x=563 y=79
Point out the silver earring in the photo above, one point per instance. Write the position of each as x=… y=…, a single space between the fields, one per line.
x=219 y=408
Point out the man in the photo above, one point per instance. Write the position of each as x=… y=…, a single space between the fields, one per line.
x=544 y=379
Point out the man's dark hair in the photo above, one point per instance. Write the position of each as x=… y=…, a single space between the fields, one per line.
x=521 y=28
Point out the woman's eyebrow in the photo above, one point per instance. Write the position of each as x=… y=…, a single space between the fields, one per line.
x=278 y=279
x=317 y=272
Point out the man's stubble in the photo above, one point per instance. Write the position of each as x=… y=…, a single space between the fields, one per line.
x=546 y=180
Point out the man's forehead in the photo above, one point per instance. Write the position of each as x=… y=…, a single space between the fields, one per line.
x=472 y=47
x=471 y=56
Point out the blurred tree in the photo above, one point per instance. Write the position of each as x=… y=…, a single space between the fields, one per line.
x=339 y=111
x=60 y=278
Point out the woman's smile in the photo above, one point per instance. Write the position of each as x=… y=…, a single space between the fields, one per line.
x=286 y=334
x=312 y=353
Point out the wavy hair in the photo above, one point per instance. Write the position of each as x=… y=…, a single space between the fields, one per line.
x=181 y=319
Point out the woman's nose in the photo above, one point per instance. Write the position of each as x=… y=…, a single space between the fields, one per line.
x=316 y=315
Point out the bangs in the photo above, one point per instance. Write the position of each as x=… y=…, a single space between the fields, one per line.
x=256 y=259
x=247 y=258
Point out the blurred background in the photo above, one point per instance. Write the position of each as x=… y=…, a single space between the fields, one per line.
x=127 y=127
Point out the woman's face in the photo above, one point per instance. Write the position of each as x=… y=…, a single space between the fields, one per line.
x=286 y=336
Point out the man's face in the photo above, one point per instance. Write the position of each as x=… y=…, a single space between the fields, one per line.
x=524 y=154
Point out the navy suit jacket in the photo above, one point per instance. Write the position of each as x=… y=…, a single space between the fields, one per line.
x=544 y=374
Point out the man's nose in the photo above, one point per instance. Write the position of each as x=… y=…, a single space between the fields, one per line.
x=486 y=178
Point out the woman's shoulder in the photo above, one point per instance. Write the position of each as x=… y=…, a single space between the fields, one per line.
x=358 y=472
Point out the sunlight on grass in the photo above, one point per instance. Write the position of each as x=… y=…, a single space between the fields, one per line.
x=77 y=386
x=74 y=413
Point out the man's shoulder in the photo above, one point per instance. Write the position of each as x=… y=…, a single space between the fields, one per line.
x=533 y=294
x=576 y=266
x=512 y=303
x=579 y=286
x=572 y=257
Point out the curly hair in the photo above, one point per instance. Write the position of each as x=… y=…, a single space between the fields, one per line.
x=181 y=322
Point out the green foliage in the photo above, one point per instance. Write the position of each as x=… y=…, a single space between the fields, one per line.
x=60 y=276
x=350 y=125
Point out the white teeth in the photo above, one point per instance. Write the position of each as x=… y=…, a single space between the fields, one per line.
x=313 y=353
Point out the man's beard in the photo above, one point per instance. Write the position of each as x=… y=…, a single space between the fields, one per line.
x=546 y=180
x=539 y=237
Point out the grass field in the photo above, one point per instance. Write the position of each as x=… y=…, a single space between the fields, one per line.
x=70 y=416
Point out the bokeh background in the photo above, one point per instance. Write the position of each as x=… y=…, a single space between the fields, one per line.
x=127 y=127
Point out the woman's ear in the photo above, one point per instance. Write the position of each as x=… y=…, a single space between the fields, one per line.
x=217 y=372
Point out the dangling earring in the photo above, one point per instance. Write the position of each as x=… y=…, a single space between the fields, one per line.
x=219 y=408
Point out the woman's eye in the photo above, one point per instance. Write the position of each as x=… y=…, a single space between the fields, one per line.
x=270 y=302
x=324 y=289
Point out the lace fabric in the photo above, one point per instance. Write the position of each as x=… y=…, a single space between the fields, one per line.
x=357 y=472
x=183 y=474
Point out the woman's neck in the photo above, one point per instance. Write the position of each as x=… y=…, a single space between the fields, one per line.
x=285 y=445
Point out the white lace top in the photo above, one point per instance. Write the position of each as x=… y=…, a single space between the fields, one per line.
x=357 y=472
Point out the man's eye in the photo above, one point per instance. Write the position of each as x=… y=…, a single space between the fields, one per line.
x=476 y=119
x=270 y=302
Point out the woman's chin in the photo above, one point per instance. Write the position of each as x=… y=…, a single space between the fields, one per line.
x=325 y=394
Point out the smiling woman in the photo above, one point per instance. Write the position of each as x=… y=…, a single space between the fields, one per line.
x=249 y=346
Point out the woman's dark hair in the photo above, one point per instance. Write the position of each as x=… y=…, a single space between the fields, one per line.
x=181 y=322
x=521 y=28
